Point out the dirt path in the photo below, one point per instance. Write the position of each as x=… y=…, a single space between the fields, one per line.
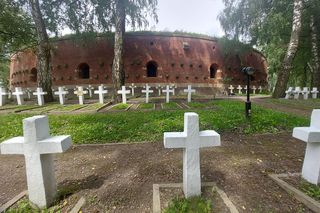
x=119 y=178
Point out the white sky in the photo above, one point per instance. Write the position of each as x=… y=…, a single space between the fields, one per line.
x=199 y=16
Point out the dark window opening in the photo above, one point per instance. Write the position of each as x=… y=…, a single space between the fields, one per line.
x=213 y=70
x=84 y=71
x=152 y=68
x=34 y=73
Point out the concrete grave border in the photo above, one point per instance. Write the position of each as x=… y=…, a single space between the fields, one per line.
x=299 y=195
x=156 y=195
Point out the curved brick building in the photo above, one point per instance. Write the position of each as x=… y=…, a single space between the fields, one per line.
x=148 y=58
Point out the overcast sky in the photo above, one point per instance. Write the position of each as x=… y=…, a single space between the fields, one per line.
x=199 y=16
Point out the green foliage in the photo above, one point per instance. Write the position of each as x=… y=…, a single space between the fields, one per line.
x=120 y=107
x=24 y=206
x=311 y=190
x=199 y=105
x=138 y=126
x=191 y=205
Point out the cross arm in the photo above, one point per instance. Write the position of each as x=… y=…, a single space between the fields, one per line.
x=12 y=146
x=55 y=144
x=174 y=140
x=307 y=134
x=209 y=138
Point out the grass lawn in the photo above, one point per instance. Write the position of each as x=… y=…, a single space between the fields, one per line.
x=193 y=204
x=65 y=108
x=146 y=106
x=199 y=105
x=95 y=106
x=140 y=126
x=303 y=104
x=120 y=107
x=170 y=105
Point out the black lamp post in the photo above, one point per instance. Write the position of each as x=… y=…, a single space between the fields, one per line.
x=249 y=72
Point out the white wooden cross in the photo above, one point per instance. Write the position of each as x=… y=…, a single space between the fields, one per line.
x=62 y=94
x=167 y=91
x=189 y=91
x=28 y=91
x=159 y=88
x=38 y=148
x=191 y=140
x=39 y=93
x=289 y=92
x=173 y=87
x=239 y=90
x=231 y=88
x=305 y=92
x=90 y=88
x=124 y=93
x=311 y=135
x=101 y=91
x=147 y=91
x=132 y=87
x=19 y=94
x=260 y=89
x=3 y=95
x=254 y=88
x=297 y=92
x=80 y=93
x=314 y=92
x=246 y=89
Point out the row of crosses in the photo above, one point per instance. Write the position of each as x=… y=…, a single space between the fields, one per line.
x=240 y=88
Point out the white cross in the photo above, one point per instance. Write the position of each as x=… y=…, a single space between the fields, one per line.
x=62 y=94
x=311 y=135
x=260 y=89
x=191 y=140
x=167 y=91
x=132 y=87
x=173 y=87
x=289 y=92
x=9 y=94
x=90 y=88
x=305 y=93
x=254 y=88
x=80 y=93
x=159 y=87
x=239 y=90
x=39 y=93
x=28 y=91
x=314 y=92
x=246 y=89
x=38 y=148
x=147 y=91
x=297 y=92
x=101 y=91
x=19 y=94
x=3 y=95
x=189 y=91
x=231 y=88
x=124 y=93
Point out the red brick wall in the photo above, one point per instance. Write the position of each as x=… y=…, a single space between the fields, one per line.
x=175 y=63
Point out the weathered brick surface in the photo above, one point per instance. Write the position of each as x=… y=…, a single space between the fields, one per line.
x=176 y=64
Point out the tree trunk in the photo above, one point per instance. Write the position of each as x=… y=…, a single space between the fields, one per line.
x=284 y=73
x=43 y=53
x=315 y=53
x=117 y=66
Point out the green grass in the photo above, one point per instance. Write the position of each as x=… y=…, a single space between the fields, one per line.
x=304 y=104
x=95 y=106
x=199 y=105
x=170 y=105
x=65 y=108
x=191 y=205
x=24 y=206
x=146 y=106
x=120 y=107
x=310 y=189
x=137 y=126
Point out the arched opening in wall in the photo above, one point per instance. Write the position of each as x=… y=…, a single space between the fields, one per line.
x=34 y=75
x=84 y=71
x=152 y=68
x=213 y=70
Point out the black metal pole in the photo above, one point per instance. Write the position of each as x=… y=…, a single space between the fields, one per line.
x=248 y=103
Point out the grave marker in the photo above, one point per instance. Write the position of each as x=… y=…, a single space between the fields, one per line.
x=254 y=88
x=296 y=92
x=124 y=93
x=3 y=95
x=38 y=148
x=239 y=89
x=28 y=92
x=191 y=140
x=314 y=93
x=167 y=91
x=101 y=91
x=19 y=94
x=289 y=92
x=159 y=88
x=90 y=88
x=132 y=87
x=260 y=89
x=147 y=91
x=39 y=93
x=62 y=94
x=80 y=93
x=311 y=135
x=189 y=91
x=231 y=88
x=305 y=92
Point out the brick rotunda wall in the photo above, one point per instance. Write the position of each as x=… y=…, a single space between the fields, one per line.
x=153 y=59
